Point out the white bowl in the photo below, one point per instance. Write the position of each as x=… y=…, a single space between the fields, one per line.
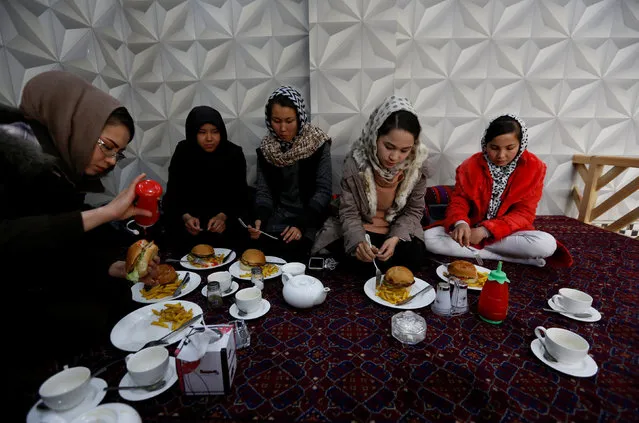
x=66 y=389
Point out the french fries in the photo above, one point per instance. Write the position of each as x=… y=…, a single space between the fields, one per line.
x=267 y=270
x=216 y=260
x=173 y=314
x=161 y=291
x=482 y=277
x=393 y=296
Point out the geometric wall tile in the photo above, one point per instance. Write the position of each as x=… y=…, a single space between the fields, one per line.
x=569 y=68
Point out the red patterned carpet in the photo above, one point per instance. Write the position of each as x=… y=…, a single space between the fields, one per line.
x=339 y=363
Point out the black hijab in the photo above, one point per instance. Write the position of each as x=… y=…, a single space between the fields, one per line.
x=199 y=116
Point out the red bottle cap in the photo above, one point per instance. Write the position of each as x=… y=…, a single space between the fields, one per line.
x=148 y=188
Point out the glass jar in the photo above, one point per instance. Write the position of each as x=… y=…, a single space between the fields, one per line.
x=442 y=306
x=408 y=327
x=214 y=295
x=257 y=277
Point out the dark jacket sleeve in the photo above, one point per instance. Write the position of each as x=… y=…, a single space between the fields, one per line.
x=236 y=191
x=263 y=197
x=175 y=201
x=33 y=233
x=317 y=206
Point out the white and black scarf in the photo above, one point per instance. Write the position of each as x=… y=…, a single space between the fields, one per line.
x=307 y=140
x=501 y=174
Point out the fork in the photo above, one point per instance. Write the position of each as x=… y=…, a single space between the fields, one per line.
x=476 y=254
x=262 y=232
x=378 y=273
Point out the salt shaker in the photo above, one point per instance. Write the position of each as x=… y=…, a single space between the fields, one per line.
x=460 y=297
x=214 y=294
x=442 y=305
x=257 y=277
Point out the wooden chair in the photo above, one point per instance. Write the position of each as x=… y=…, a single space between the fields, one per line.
x=590 y=169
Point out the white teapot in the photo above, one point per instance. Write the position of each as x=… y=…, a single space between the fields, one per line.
x=303 y=291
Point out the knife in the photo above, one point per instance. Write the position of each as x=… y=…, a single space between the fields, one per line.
x=429 y=287
x=227 y=257
x=178 y=290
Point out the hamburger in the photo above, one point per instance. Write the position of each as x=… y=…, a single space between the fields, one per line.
x=202 y=254
x=396 y=284
x=252 y=258
x=166 y=274
x=138 y=257
x=464 y=270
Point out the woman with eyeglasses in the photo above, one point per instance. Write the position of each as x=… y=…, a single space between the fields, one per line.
x=64 y=137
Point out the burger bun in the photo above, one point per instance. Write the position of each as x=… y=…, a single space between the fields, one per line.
x=252 y=258
x=462 y=269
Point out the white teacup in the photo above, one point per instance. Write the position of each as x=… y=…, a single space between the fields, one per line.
x=566 y=346
x=248 y=300
x=572 y=300
x=66 y=389
x=294 y=268
x=224 y=278
x=148 y=366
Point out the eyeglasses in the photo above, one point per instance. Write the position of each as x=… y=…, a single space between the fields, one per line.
x=110 y=152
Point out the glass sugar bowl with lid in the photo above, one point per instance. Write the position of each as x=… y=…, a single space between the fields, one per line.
x=408 y=327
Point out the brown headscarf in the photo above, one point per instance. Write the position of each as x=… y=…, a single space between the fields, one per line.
x=74 y=112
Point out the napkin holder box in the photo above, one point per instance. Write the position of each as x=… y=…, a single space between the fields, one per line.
x=213 y=373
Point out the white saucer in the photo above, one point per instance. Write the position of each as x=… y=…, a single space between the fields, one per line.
x=94 y=397
x=266 y=306
x=140 y=394
x=234 y=287
x=110 y=413
x=596 y=316
x=585 y=368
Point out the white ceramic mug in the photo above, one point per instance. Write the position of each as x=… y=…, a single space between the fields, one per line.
x=248 y=300
x=294 y=268
x=566 y=346
x=224 y=278
x=572 y=300
x=148 y=366
x=66 y=389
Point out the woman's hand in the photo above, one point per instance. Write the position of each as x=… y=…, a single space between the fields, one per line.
x=388 y=248
x=192 y=224
x=291 y=233
x=121 y=207
x=254 y=232
x=217 y=223
x=461 y=234
x=365 y=253
x=118 y=270
x=478 y=234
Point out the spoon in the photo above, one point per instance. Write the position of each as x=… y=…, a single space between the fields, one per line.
x=151 y=387
x=547 y=355
x=580 y=315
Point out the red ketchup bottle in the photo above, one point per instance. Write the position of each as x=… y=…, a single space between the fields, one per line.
x=493 y=300
x=149 y=193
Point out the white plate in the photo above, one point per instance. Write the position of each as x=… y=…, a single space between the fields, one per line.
x=443 y=269
x=422 y=300
x=89 y=402
x=193 y=283
x=110 y=413
x=135 y=329
x=236 y=271
x=234 y=287
x=266 y=306
x=585 y=368
x=184 y=261
x=596 y=316
x=141 y=394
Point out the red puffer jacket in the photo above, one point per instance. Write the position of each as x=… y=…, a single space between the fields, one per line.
x=473 y=187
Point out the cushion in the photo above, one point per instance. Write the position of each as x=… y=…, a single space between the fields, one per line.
x=436 y=200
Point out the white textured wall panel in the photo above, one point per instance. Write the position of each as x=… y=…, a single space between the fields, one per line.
x=570 y=68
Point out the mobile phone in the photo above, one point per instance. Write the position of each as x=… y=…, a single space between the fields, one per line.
x=316 y=263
